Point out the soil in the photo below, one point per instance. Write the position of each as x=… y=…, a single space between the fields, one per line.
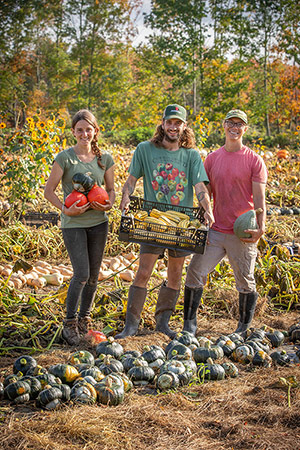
x=247 y=412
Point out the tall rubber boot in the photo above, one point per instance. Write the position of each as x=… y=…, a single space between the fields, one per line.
x=192 y=298
x=135 y=303
x=165 y=306
x=247 y=304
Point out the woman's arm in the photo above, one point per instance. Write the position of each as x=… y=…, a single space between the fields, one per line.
x=49 y=193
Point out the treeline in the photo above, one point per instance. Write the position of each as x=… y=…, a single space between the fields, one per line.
x=210 y=56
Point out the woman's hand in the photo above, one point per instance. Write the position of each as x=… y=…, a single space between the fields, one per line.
x=75 y=210
x=99 y=207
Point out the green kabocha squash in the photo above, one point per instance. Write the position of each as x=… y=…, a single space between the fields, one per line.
x=35 y=386
x=82 y=182
x=210 y=371
x=152 y=353
x=11 y=378
x=246 y=221
x=19 y=391
x=281 y=358
x=276 y=338
x=236 y=338
x=110 y=347
x=130 y=353
x=83 y=392
x=110 y=391
x=109 y=364
x=128 y=385
x=83 y=366
x=190 y=366
x=188 y=339
x=177 y=366
x=49 y=398
x=170 y=345
x=130 y=361
x=179 y=351
x=227 y=346
x=201 y=354
x=65 y=390
x=82 y=357
x=23 y=364
x=166 y=381
x=243 y=354
x=230 y=369
x=261 y=359
x=37 y=370
x=65 y=372
x=141 y=374
x=94 y=372
x=294 y=332
x=48 y=379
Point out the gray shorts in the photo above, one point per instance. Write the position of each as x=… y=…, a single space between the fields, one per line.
x=241 y=256
x=155 y=250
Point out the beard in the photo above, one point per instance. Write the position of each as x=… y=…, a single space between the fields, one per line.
x=173 y=138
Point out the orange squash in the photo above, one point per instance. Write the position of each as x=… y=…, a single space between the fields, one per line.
x=282 y=154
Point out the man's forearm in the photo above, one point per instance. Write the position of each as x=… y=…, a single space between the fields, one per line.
x=128 y=187
x=203 y=196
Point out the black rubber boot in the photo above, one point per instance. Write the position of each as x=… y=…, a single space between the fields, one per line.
x=135 y=303
x=165 y=307
x=192 y=298
x=247 y=304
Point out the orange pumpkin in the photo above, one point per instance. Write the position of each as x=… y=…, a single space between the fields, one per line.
x=282 y=154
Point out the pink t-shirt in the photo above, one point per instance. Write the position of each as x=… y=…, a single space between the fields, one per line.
x=231 y=175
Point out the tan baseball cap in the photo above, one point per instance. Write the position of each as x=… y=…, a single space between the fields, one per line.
x=237 y=113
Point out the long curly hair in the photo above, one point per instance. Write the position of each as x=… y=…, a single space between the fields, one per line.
x=85 y=114
x=186 y=140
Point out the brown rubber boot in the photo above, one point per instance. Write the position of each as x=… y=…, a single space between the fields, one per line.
x=165 y=307
x=70 y=332
x=135 y=303
x=84 y=325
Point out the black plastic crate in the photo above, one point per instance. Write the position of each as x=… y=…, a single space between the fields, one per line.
x=133 y=230
x=38 y=219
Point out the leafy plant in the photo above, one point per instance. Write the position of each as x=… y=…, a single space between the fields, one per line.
x=30 y=153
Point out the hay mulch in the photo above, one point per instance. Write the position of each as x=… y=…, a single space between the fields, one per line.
x=249 y=412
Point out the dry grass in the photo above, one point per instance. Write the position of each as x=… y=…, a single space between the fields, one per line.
x=249 y=412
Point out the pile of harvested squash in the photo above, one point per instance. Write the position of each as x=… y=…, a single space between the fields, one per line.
x=105 y=376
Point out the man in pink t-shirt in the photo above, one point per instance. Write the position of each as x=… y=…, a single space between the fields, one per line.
x=237 y=178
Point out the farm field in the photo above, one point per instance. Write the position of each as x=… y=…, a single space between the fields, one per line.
x=256 y=410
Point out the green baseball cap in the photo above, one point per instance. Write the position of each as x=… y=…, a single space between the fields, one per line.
x=237 y=113
x=175 y=112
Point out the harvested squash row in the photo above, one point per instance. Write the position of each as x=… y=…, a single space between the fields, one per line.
x=43 y=273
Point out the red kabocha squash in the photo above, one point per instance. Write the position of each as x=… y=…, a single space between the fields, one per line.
x=98 y=194
x=73 y=197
